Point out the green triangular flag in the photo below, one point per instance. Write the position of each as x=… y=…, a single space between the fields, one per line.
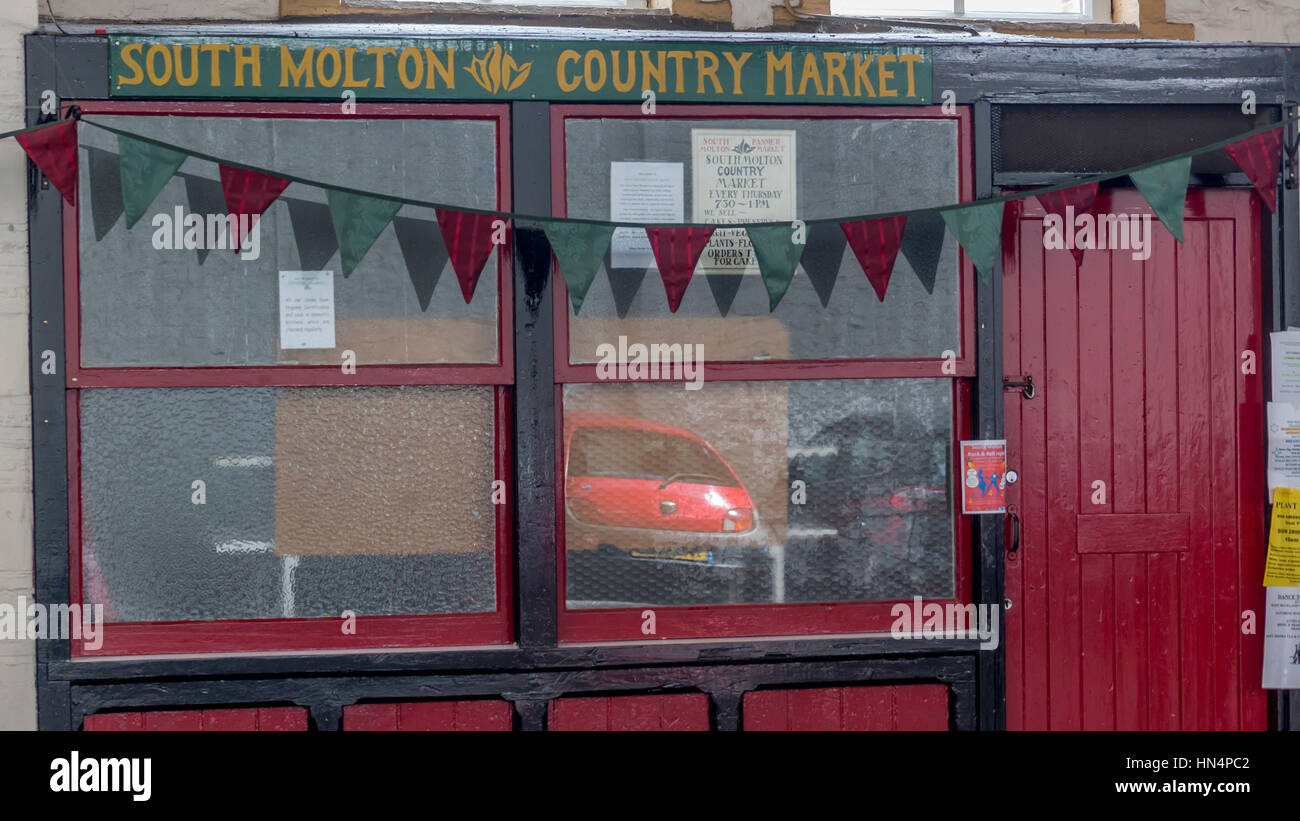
x=778 y=255
x=145 y=169
x=978 y=229
x=358 y=222
x=579 y=248
x=1165 y=188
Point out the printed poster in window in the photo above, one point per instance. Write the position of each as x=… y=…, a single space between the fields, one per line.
x=306 y=309
x=739 y=175
x=984 y=476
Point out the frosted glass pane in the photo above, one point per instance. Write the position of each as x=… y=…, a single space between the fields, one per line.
x=314 y=501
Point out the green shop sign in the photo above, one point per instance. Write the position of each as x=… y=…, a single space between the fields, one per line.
x=433 y=69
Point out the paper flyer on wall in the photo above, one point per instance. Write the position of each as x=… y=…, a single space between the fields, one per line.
x=1283 y=446
x=984 y=476
x=1286 y=365
x=306 y=309
x=739 y=175
x=642 y=192
x=1282 y=565
x=1282 y=639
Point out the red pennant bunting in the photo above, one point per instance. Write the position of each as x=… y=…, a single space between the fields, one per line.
x=875 y=244
x=1069 y=203
x=54 y=150
x=676 y=252
x=248 y=192
x=1260 y=157
x=468 y=238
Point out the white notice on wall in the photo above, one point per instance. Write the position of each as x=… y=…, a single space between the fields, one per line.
x=1283 y=446
x=306 y=309
x=739 y=175
x=1286 y=365
x=1282 y=639
x=642 y=192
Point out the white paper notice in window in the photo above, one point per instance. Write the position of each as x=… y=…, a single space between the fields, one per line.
x=642 y=192
x=739 y=176
x=306 y=309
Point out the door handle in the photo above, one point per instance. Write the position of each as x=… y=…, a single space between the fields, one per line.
x=1013 y=517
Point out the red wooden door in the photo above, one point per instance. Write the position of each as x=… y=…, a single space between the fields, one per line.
x=1141 y=485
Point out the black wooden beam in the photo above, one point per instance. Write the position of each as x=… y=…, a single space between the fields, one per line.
x=534 y=391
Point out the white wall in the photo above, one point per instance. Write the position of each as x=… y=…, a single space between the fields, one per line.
x=141 y=11
x=17 y=659
x=1228 y=21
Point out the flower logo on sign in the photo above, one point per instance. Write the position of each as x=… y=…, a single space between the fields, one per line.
x=743 y=147
x=496 y=70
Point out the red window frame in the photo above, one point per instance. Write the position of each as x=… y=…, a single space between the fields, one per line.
x=735 y=620
x=280 y=634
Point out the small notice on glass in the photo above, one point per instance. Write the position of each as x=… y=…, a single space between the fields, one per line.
x=642 y=192
x=984 y=476
x=306 y=309
x=739 y=176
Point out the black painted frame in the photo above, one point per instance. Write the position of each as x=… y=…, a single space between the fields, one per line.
x=537 y=668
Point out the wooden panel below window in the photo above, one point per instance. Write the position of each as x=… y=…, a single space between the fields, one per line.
x=686 y=711
x=440 y=716
x=903 y=707
x=251 y=719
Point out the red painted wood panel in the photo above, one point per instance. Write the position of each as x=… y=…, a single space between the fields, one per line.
x=1134 y=533
x=1126 y=608
x=439 y=716
x=855 y=709
x=249 y=719
x=1096 y=474
x=680 y=711
x=1128 y=482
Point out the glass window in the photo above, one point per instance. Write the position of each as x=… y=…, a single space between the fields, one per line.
x=233 y=494
x=795 y=474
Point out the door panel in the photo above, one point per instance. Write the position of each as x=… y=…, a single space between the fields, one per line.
x=1140 y=489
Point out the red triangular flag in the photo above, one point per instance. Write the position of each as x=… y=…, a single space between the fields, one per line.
x=1080 y=198
x=875 y=244
x=248 y=192
x=54 y=150
x=468 y=238
x=1260 y=157
x=676 y=252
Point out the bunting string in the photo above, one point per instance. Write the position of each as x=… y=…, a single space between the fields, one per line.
x=538 y=218
x=358 y=217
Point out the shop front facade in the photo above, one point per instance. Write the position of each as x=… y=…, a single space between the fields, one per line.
x=485 y=420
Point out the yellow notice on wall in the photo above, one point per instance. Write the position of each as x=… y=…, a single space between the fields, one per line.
x=1282 y=567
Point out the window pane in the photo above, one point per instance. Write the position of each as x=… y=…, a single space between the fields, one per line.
x=891 y=8
x=678 y=497
x=1015 y=8
x=842 y=167
x=314 y=501
x=142 y=305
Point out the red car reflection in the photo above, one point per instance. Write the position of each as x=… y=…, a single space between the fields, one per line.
x=640 y=485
